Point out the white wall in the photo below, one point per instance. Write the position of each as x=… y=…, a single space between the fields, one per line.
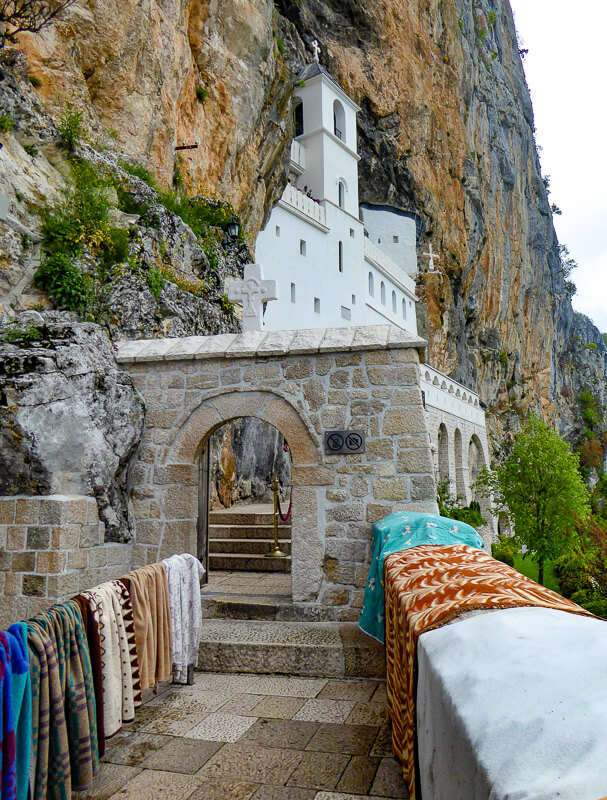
x=383 y=226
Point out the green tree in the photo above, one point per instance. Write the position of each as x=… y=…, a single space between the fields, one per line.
x=540 y=487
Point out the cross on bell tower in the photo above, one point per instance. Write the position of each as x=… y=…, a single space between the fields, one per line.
x=252 y=291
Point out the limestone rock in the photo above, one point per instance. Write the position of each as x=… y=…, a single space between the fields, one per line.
x=69 y=418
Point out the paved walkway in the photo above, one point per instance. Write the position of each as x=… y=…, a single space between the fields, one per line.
x=235 y=737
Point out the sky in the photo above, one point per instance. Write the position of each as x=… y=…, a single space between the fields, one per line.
x=566 y=71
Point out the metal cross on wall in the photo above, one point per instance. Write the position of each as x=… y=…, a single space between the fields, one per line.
x=252 y=291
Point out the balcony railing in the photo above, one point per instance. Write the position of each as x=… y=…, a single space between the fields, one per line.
x=445 y=394
x=386 y=265
x=298 y=156
x=305 y=205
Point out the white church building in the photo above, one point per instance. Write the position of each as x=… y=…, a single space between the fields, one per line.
x=337 y=263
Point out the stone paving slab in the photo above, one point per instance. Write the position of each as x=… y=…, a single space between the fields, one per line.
x=225 y=754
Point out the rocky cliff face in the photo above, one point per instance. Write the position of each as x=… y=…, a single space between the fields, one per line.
x=446 y=130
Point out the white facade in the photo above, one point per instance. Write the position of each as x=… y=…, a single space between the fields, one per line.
x=327 y=272
x=393 y=232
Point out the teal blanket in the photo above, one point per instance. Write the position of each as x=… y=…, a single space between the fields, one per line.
x=398 y=532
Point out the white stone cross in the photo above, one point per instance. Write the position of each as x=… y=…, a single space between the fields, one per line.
x=315 y=49
x=431 y=255
x=252 y=291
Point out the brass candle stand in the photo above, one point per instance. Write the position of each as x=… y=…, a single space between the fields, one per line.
x=276 y=552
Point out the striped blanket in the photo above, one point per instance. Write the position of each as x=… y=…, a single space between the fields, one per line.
x=16 y=759
x=64 y=731
x=426 y=587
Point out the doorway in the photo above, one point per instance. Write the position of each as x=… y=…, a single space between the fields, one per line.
x=240 y=464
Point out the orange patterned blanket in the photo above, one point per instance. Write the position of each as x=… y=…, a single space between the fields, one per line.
x=425 y=587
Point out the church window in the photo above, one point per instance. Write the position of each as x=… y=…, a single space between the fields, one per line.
x=292 y=292
x=346 y=313
x=395 y=240
x=340 y=256
x=317 y=305
x=278 y=230
x=298 y=118
x=382 y=291
x=353 y=299
x=302 y=247
x=371 y=287
x=339 y=120
x=394 y=302
x=404 y=308
x=341 y=194
x=352 y=232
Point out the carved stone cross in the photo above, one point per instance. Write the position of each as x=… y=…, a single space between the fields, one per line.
x=252 y=291
x=315 y=49
x=431 y=255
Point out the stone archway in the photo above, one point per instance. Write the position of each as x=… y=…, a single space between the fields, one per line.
x=461 y=488
x=182 y=509
x=443 y=453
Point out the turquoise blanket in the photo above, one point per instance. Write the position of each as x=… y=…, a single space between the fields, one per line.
x=398 y=532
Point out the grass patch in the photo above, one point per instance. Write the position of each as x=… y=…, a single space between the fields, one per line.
x=526 y=566
x=201 y=94
x=7 y=123
x=70 y=128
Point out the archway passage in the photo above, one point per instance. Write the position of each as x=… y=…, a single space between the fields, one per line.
x=245 y=456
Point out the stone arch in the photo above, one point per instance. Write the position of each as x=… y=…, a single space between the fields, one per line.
x=443 y=453
x=460 y=481
x=178 y=476
x=476 y=462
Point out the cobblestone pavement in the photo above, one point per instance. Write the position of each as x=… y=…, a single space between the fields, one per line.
x=263 y=737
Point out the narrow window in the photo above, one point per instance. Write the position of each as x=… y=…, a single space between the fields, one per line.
x=341 y=194
x=371 y=287
x=298 y=119
x=353 y=299
x=292 y=292
x=352 y=232
x=395 y=240
x=346 y=313
x=339 y=120
x=302 y=247
x=404 y=309
x=278 y=230
x=394 y=302
x=382 y=291
x=340 y=256
x=317 y=305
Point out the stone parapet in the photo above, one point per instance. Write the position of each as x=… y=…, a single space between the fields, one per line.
x=52 y=547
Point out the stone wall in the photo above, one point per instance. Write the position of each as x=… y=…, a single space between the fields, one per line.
x=51 y=548
x=303 y=383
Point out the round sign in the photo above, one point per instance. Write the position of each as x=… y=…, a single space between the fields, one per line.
x=335 y=441
x=353 y=441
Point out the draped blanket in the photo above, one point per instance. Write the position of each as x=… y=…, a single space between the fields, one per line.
x=91 y=629
x=150 y=600
x=425 y=587
x=184 y=573
x=15 y=644
x=8 y=779
x=398 y=532
x=64 y=720
x=110 y=605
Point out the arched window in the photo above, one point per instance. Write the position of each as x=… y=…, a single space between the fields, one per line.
x=371 y=286
x=404 y=309
x=340 y=256
x=341 y=194
x=298 y=117
x=382 y=291
x=339 y=120
x=394 y=302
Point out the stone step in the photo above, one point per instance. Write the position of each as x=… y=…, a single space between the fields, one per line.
x=240 y=518
x=248 y=546
x=248 y=531
x=313 y=649
x=239 y=562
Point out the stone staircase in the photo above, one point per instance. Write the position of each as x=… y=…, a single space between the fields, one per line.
x=239 y=539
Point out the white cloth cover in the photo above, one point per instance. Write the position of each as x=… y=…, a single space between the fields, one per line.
x=184 y=574
x=512 y=705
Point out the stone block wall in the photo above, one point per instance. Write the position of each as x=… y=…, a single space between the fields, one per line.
x=303 y=383
x=51 y=548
